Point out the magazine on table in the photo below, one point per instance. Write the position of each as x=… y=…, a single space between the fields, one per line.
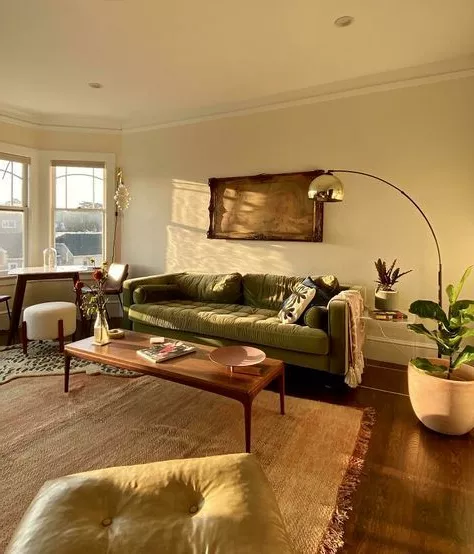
x=165 y=351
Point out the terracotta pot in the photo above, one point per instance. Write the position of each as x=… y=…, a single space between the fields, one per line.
x=443 y=405
x=386 y=300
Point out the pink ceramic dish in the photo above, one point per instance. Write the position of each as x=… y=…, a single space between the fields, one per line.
x=237 y=356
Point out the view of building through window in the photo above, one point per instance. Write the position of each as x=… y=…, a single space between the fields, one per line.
x=13 y=203
x=79 y=214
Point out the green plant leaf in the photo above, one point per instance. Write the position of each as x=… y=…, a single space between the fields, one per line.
x=453 y=291
x=461 y=312
x=466 y=356
x=432 y=335
x=428 y=309
x=426 y=365
x=467 y=332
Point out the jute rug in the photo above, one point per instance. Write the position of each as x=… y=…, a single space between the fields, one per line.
x=312 y=456
x=44 y=358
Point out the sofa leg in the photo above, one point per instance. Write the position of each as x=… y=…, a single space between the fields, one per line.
x=24 y=338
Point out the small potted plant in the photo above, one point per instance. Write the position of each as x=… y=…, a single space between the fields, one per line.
x=442 y=389
x=385 y=295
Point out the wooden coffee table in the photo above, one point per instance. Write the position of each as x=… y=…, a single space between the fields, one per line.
x=195 y=370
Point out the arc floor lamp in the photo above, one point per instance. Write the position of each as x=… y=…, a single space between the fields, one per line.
x=328 y=188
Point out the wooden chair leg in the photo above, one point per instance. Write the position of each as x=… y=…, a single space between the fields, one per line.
x=61 y=335
x=24 y=338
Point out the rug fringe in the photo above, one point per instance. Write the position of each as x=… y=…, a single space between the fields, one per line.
x=333 y=539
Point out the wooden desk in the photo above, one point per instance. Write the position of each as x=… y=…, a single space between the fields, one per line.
x=25 y=274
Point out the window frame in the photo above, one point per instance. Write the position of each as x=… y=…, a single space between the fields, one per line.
x=78 y=164
x=24 y=208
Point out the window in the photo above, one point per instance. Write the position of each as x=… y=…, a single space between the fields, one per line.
x=13 y=206
x=79 y=212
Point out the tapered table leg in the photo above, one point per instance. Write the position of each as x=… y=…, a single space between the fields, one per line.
x=16 y=309
x=67 y=365
x=281 y=385
x=248 y=423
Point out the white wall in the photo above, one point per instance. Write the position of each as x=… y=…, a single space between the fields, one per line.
x=421 y=138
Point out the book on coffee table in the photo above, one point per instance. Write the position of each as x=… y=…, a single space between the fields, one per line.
x=165 y=351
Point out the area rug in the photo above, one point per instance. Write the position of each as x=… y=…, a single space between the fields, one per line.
x=312 y=456
x=44 y=358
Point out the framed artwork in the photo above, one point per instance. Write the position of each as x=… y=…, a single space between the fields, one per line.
x=265 y=207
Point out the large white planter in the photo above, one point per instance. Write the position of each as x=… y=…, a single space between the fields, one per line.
x=442 y=405
x=386 y=300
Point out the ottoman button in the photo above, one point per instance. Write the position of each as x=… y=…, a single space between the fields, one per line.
x=193 y=509
x=106 y=522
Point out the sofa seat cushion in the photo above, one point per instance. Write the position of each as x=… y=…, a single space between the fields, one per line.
x=245 y=324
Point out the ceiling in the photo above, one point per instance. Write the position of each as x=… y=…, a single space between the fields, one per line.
x=163 y=61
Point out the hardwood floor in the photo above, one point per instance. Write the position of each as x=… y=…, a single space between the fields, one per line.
x=417 y=490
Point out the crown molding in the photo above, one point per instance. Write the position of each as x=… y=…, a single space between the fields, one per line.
x=392 y=80
x=129 y=128
x=14 y=116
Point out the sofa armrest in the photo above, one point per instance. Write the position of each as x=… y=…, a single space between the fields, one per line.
x=130 y=285
x=338 y=331
x=147 y=294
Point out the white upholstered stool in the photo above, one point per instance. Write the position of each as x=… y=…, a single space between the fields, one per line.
x=219 y=504
x=48 y=321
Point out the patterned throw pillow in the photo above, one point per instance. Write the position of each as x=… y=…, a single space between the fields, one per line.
x=325 y=287
x=295 y=305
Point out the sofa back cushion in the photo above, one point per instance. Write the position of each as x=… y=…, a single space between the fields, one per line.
x=219 y=288
x=268 y=291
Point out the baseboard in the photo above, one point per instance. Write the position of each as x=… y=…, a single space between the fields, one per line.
x=396 y=351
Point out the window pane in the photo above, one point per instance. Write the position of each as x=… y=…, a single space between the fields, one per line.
x=11 y=240
x=5 y=183
x=98 y=190
x=17 y=191
x=78 y=237
x=18 y=169
x=60 y=192
x=79 y=191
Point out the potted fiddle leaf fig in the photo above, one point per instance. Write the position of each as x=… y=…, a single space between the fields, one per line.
x=386 y=296
x=442 y=389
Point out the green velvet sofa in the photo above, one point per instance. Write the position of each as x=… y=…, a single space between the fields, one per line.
x=224 y=309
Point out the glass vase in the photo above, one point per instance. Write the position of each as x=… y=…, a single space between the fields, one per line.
x=101 y=330
x=50 y=258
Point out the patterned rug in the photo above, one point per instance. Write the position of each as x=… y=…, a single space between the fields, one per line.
x=44 y=358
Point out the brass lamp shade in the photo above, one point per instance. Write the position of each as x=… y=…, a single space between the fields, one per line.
x=326 y=188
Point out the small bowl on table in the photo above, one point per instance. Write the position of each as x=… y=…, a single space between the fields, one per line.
x=237 y=356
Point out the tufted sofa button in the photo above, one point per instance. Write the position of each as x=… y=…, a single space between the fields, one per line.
x=193 y=509
x=107 y=521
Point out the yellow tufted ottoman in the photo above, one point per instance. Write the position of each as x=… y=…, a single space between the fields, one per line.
x=214 y=505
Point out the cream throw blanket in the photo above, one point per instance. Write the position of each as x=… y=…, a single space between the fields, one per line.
x=355 y=366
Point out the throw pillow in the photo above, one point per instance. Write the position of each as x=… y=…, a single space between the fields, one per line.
x=325 y=287
x=316 y=317
x=295 y=305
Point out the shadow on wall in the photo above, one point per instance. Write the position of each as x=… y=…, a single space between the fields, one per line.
x=187 y=246
x=353 y=238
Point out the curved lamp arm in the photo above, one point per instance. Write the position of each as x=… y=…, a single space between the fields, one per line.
x=440 y=266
